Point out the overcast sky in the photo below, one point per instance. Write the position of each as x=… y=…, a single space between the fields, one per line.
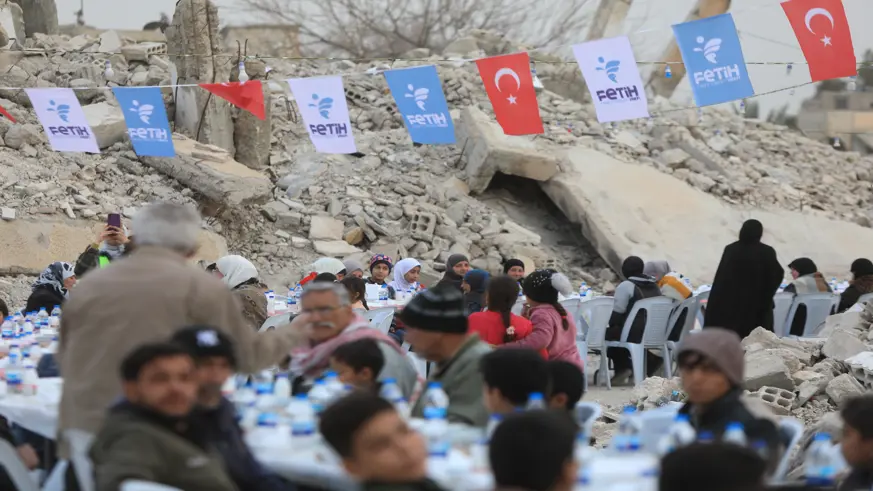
x=765 y=32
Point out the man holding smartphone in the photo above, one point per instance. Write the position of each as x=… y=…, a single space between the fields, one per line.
x=110 y=245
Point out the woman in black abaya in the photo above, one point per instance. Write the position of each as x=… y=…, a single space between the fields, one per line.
x=748 y=276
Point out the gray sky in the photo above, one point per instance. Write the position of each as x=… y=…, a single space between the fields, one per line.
x=755 y=19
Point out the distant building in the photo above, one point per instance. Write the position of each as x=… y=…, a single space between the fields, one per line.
x=264 y=39
x=847 y=115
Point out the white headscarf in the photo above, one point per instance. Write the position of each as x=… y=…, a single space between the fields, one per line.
x=400 y=270
x=330 y=265
x=236 y=270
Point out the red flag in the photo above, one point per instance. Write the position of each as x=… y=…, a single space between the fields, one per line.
x=247 y=95
x=509 y=85
x=822 y=29
x=6 y=114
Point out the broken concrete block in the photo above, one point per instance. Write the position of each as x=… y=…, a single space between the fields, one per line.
x=251 y=136
x=107 y=123
x=768 y=340
x=354 y=236
x=12 y=20
x=842 y=345
x=142 y=51
x=766 y=370
x=325 y=228
x=861 y=367
x=488 y=151
x=40 y=16
x=22 y=134
x=334 y=248
x=843 y=388
x=110 y=42
x=780 y=401
x=7 y=214
x=212 y=172
x=195 y=30
x=791 y=361
x=422 y=226
x=288 y=219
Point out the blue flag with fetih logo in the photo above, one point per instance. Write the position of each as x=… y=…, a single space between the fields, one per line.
x=146 y=119
x=419 y=95
x=714 y=60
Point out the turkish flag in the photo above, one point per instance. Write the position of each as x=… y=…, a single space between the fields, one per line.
x=246 y=95
x=6 y=113
x=822 y=29
x=509 y=85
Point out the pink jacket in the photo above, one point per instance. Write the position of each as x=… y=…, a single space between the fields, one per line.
x=548 y=332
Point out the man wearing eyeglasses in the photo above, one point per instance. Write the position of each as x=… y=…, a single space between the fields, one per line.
x=329 y=322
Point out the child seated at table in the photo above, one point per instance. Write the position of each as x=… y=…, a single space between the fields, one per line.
x=358 y=364
x=566 y=384
x=376 y=445
x=533 y=451
x=510 y=377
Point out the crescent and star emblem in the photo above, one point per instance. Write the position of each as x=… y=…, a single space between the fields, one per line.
x=507 y=71
x=823 y=12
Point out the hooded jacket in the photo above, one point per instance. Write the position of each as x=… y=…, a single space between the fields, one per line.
x=137 y=443
x=747 y=277
x=636 y=287
x=862 y=283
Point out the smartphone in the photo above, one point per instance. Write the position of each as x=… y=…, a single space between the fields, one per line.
x=114 y=220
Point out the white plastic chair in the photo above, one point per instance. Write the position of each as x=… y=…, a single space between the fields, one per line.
x=781 y=306
x=655 y=423
x=588 y=413
x=571 y=305
x=792 y=430
x=690 y=305
x=701 y=310
x=419 y=363
x=80 y=443
x=381 y=318
x=132 y=485
x=818 y=307
x=519 y=306
x=55 y=480
x=863 y=299
x=658 y=311
x=594 y=314
x=15 y=468
x=275 y=321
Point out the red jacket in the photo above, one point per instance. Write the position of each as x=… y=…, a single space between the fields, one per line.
x=489 y=327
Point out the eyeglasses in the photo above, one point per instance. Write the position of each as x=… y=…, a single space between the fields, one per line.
x=319 y=310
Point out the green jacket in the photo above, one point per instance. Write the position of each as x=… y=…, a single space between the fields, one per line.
x=462 y=381
x=423 y=485
x=133 y=446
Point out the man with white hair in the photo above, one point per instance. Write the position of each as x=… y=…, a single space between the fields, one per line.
x=145 y=299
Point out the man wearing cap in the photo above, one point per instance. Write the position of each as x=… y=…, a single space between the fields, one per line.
x=436 y=327
x=711 y=364
x=215 y=362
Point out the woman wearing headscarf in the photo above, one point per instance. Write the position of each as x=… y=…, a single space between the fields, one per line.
x=475 y=285
x=861 y=284
x=671 y=284
x=514 y=268
x=406 y=274
x=330 y=265
x=806 y=279
x=380 y=267
x=747 y=277
x=553 y=327
x=635 y=287
x=351 y=268
x=52 y=287
x=456 y=267
x=241 y=276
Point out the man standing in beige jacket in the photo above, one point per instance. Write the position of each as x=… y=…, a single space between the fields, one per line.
x=145 y=298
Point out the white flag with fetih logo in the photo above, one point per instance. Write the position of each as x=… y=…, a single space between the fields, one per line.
x=322 y=103
x=612 y=76
x=63 y=120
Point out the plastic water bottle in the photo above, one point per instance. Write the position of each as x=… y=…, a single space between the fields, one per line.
x=55 y=319
x=291 y=301
x=319 y=396
x=42 y=314
x=7 y=331
x=282 y=389
x=391 y=392
x=706 y=437
x=682 y=433
x=18 y=319
x=14 y=373
x=29 y=379
x=628 y=433
x=735 y=434
x=493 y=422
x=535 y=401
x=819 y=466
x=583 y=290
x=229 y=387
x=264 y=383
x=334 y=386
x=436 y=404
x=298 y=292
x=271 y=297
x=303 y=423
x=383 y=294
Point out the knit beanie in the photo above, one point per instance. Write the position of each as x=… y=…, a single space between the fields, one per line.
x=543 y=286
x=205 y=342
x=512 y=263
x=381 y=259
x=721 y=346
x=439 y=309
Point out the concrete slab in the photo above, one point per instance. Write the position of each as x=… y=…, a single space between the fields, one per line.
x=626 y=209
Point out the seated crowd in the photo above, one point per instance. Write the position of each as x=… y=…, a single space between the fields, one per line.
x=151 y=389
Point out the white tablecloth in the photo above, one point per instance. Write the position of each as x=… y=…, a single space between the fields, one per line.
x=37 y=413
